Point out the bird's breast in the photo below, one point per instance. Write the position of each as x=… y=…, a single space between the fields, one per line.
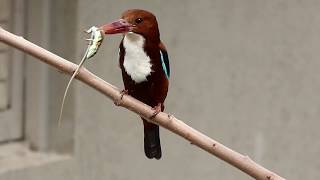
x=136 y=62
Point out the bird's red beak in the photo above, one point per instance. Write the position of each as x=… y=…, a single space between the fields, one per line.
x=119 y=26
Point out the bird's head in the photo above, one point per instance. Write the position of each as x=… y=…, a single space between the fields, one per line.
x=134 y=21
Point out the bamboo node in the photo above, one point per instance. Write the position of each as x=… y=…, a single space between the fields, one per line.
x=269 y=177
x=214 y=145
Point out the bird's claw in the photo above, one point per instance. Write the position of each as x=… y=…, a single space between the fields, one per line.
x=156 y=111
x=122 y=93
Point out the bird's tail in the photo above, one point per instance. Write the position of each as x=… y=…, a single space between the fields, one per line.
x=152 y=147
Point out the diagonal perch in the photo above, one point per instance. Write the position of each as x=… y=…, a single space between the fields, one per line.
x=171 y=123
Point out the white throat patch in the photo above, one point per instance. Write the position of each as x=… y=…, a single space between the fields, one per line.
x=136 y=61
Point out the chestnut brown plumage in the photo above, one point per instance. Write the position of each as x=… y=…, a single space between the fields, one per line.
x=145 y=69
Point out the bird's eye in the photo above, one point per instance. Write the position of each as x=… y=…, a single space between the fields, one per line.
x=138 y=20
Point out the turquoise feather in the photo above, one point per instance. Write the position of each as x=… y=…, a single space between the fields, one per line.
x=164 y=64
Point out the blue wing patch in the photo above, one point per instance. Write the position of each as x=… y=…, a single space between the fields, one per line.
x=165 y=63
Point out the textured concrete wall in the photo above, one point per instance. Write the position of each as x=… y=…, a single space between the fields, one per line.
x=243 y=72
x=4 y=56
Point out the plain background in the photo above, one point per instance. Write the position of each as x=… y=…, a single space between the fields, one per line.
x=243 y=72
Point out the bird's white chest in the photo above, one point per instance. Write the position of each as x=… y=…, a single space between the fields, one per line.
x=136 y=62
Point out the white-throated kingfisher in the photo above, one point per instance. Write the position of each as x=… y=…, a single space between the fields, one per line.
x=145 y=67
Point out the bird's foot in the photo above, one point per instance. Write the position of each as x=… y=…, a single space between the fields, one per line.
x=157 y=110
x=122 y=93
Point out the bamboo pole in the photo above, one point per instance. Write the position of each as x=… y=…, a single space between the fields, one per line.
x=244 y=163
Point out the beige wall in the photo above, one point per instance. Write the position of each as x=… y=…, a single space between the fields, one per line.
x=4 y=57
x=243 y=72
